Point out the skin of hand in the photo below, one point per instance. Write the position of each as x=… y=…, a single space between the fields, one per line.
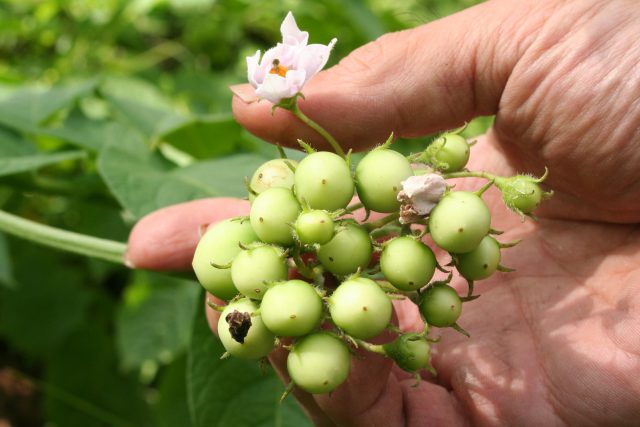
x=557 y=342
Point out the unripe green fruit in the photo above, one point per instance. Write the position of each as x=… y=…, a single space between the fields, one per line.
x=219 y=245
x=319 y=363
x=453 y=151
x=272 y=213
x=521 y=193
x=349 y=249
x=459 y=222
x=314 y=227
x=440 y=305
x=258 y=342
x=481 y=262
x=324 y=181
x=360 y=308
x=274 y=173
x=291 y=309
x=378 y=179
x=408 y=264
x=410 y=351
x=253 y=267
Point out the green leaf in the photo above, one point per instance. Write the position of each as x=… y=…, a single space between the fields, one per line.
x=155 y=328
x=79 y=130
x=143 y=181
x=208 y=137
x=225 y=175
x=49 y=304
x=84 y=388
x=13 y=145
x=172 y=409
x=19 y=164
x=6 y=269
x=362 y=18
x=233 y=392
x=150 y=121
x=26 y=108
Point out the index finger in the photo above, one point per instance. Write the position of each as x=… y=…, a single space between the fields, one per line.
x=166 y=239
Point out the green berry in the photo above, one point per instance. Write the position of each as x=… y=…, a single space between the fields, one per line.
x=272 y=214
x=481 y=262
x=323 y=180
x=453 y=152
x=252 y=268
x=459 y=222
x=407 y=263
x=521 y=193
x=242 y=332
x=440 y=305
x=378 y=179
x=219 y=245
x=314 y=227
x=349 y=249
x=410 y=351
x=274 y=173
x=291 y=309
x=319 y=363
x=360 y=308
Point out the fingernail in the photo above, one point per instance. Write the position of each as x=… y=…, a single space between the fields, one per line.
x=244 y=92
x=127 y=262
x=202 y=229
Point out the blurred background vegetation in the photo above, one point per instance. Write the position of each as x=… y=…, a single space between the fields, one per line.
x=110 y=109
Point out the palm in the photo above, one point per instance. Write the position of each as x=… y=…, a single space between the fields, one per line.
x=555 y=342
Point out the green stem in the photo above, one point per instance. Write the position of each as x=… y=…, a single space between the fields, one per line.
x=469 y=174
x=82 y=244
x=373 y=348
x=382 y=221
x=354 y=207
x=315 y=126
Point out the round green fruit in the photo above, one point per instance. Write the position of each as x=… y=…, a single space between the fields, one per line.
x=291 y=309
x=459 y=222
x=481 y=262
x=314 y=226
x=272 y=213
x=360 y=308
x=253 y=267
x=410 y=351
x=378 y=179
x=349 y=249
x=243 y=334
x=453 y=152
x=323 y=180
x=440 y=305
x=407 y=263
x=319 y=363
x=220 y=245
x=521 y=193
x=274 y=173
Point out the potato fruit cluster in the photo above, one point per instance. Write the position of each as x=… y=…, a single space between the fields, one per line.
x=301 y=267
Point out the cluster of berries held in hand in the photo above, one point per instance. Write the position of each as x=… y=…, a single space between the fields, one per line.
x=346 y=273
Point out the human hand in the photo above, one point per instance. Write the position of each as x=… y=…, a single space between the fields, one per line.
x=555 y=342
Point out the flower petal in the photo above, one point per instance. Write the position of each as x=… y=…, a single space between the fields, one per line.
x=291 y=34
x=252 y=67
x=314 y=57
x=275 y=88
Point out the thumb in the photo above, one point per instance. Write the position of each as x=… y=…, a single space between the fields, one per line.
x=412 y=82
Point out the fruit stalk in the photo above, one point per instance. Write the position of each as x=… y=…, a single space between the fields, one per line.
x=315 y=126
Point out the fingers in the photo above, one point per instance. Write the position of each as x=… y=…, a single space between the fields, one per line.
x=166 y=239
x=412 y=82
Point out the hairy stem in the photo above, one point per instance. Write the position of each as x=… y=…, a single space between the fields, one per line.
x=315 y=126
